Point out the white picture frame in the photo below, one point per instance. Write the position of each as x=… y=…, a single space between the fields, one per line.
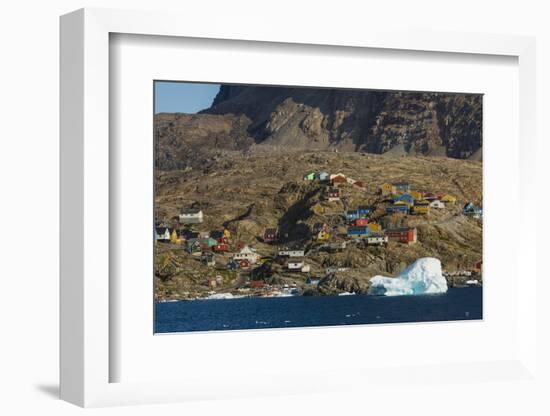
x=86 y=356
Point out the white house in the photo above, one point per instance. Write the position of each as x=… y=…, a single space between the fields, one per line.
x=162 y=234
x=191 y=216
x=436 y=203
x=291 y=253
x=247 y=253
x=377 y=240
x=295 y=264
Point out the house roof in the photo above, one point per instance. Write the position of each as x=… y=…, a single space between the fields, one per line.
x=190 y=211
x=400 y=229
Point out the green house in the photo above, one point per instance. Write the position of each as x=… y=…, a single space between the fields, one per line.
x=310 y=176
x=210 y=242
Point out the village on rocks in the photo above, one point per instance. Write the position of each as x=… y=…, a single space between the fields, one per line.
x=277 y=264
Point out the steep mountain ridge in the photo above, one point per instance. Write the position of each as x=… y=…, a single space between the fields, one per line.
x=380 y=122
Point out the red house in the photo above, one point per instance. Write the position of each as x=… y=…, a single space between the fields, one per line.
x=244 y=264
x=239 y=245
x=429 y=196
x=270 y=235
x=257 y=284
x=339 y=180
x=406 y=235
x=360 y=222
x=220 y=248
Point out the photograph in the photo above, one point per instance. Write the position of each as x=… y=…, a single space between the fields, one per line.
x=292 y=206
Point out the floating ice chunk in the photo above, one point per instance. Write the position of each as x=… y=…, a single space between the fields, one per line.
x=422 y=276
x=221 y=296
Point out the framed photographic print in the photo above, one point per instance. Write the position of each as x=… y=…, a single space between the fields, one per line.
x=316 y=214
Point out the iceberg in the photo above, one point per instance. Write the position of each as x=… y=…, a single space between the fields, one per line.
x=421 y=277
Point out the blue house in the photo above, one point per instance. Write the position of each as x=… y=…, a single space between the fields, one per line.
x=406 y=198
x=398 y=209
x=352 y=214
x=472 y=210
x=323 y=176
x=363 y=210
x=358 y=232
x=402 y=187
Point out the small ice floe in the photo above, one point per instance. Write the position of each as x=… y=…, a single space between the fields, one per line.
x=346 y=293
x=287 y=322
x=261 y=323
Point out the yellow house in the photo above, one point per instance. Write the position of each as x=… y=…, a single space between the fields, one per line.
x=415 y=194
x=449 y=199
x=174 y=238
x=374 y=227
x=226 y=233
x=387 y=189
x=318 y=209
x=422 y=207
x=323 y=236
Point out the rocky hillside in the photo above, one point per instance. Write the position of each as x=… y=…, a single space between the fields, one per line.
x=250 y=192
x=379 y=122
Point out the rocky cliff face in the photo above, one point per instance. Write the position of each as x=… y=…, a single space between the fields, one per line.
x=381 y=122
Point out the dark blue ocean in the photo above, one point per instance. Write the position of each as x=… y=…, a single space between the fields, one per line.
x=303 y=311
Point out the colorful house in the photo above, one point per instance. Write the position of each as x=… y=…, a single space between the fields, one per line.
x=360 y=222
x=429 y=196
x=231 y=264
x=162 y=234
x=208 y=259
x=405 y=235
x=472 y=210
x=402 y=187
x=333 y=194
x=323 y=176
x=243 y=263
x=437 y=204
x=191 y=216
x=208 y=242
x=309 y=176
x=323 y=235
x=449 y=199
x=194 y=245
x=239 y=245
x=377 y=240
x=319 y=226
x=416 y=195
x=374 y=227
x=339 y=180
x=363 y=210
x=358 y=232
x=421 y=208
x=387 y=189
x=398 y=208
x=291 y=253
x=271 y=235
x=295 y=264
x=248 y=254
x=221 y=248
x=352 y=214
x=406 y=198
x=257 y=284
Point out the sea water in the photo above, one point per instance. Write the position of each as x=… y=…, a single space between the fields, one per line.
x=304 y=311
